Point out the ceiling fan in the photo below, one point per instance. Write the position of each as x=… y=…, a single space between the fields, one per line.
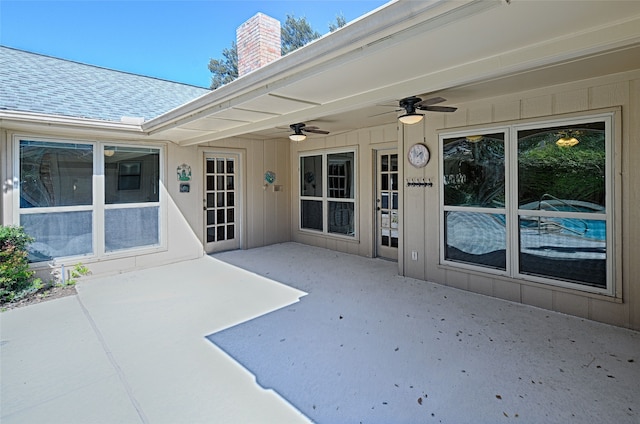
x=413 y=103
x=300 y=128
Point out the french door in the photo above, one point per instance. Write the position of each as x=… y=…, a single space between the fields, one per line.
x=387 y=198
x=222 y=212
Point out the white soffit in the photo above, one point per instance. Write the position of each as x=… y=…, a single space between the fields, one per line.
x=277 y=104
x=212 y=124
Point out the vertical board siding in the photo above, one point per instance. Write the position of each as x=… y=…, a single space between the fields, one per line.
x=582 y=96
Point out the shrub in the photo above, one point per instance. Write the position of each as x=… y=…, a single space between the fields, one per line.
x=16 y=279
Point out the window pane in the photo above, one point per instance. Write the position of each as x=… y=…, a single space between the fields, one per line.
x=562 y=168
x=340 y=175
x=394 y=163
x=474 y=171
x=476 y=238
x=59 y=234
x=131 y=227
x=132 y=175
x=55 y=174
x=311 y=214
x=341 y=218
x=568 y=249
x=311 y=176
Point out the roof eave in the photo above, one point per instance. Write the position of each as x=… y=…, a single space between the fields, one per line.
x=373 y=28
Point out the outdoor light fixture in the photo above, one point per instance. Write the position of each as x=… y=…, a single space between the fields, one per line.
x=108 y=152
x=297 y=137
x=411 y=118
x=566 y=141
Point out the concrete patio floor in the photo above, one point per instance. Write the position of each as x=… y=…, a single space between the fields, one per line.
x=132 y=347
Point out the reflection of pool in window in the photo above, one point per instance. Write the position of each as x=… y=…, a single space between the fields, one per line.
x=476 y=238
x=568 y=249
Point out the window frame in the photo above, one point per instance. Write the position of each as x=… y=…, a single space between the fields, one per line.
x=324 y=198
x=98 y=205
x=512 y=209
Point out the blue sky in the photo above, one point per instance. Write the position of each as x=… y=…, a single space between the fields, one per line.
x=171 y=40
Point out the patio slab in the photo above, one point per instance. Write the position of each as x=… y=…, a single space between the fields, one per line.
x=131 y=348
x=368 y=346
x=304 y=334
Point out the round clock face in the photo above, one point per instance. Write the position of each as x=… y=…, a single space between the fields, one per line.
x=418 y=155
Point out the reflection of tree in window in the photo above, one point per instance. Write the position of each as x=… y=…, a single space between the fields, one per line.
x=570 y=173
x=474 y=171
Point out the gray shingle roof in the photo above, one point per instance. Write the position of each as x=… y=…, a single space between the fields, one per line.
x=31 y=82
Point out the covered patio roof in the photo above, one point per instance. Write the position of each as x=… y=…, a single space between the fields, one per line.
x=460 y=50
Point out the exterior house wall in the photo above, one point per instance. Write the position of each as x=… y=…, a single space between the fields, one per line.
x=266 y=211
x=421 y=207
x=365 y=142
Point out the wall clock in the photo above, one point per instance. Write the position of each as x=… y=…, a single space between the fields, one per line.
x=418 y=155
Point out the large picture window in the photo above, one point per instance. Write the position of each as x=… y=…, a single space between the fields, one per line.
x=68 y=215
x=531 y=201
x=327 y=193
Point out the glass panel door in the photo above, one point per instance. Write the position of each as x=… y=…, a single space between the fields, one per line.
x=221 y=203
x=387 y=216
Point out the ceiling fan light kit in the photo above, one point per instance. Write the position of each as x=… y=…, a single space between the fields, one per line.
x=298 y=131
x=297 y=137
x=410 y=118
x=413 y=103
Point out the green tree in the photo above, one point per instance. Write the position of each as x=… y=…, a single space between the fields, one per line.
x=296 y=32
x=224 y=70
x=339 y=23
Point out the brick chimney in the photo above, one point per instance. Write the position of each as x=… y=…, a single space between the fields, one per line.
x=258 y=42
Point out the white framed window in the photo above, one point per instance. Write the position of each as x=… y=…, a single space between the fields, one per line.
x=531 y=201
x=87 y=199
x=327 y=193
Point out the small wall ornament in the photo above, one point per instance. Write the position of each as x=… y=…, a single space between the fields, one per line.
x=184 y=172
x=270 y=177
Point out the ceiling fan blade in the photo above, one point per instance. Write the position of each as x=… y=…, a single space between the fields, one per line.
x=314 y=130
x=429 y=102
x=439 y=108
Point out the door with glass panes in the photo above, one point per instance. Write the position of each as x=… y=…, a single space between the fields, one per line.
x=387 y=198
x=221 y=202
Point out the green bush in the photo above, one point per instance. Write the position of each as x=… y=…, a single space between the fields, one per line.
x=16 y=279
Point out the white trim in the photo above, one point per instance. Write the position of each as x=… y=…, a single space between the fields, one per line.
x=325 y=199
x=98 y=206
x=512 y=210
